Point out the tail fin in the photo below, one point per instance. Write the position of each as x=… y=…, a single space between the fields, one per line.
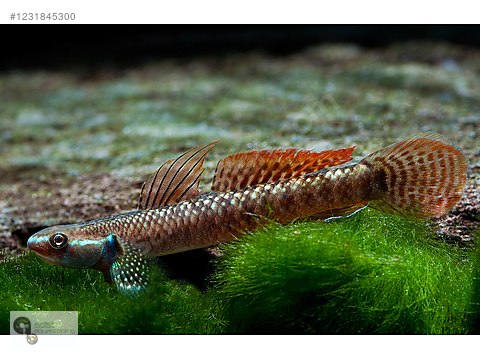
x=421 y=177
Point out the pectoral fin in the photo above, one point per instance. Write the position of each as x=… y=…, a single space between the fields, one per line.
x=129 y=271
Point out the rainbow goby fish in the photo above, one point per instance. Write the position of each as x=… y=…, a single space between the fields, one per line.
x=421 y=177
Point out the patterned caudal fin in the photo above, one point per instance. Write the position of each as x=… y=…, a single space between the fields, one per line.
x=421 y=177
x=241 y=170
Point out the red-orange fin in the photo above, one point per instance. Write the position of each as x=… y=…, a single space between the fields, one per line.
x=422 y=176
x=240 y=170
x=176 y=180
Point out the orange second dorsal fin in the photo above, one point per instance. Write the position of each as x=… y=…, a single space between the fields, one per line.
x=176 y=180
x=238 y=171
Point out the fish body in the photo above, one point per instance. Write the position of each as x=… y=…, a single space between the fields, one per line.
x=419 y=177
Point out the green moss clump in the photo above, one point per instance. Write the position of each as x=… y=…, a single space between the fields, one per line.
x=367 y=274
x=167 y=307
x=476 y=289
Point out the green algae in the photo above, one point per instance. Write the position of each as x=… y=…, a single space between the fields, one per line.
x=475 y=312
x=167 y=307
x=338 y=94
x=369 y=274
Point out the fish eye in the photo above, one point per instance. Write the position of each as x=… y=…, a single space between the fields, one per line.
x=58 y=240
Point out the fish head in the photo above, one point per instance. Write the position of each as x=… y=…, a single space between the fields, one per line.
x=71 y=246
x=66 y=245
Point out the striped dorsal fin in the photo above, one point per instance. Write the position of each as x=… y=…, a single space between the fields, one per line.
x=241 y=170
x=176 y=180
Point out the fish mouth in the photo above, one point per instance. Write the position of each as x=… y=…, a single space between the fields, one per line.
x=46 y=259
x=33 y=243
x=37 y=244
x=30 y=242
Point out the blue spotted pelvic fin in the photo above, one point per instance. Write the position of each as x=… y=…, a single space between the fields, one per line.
x=129 y=271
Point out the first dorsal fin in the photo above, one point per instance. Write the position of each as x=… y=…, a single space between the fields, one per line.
x=176 y=180
x=238 y=171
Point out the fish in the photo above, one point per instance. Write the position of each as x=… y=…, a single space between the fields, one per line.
x=422 y=176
